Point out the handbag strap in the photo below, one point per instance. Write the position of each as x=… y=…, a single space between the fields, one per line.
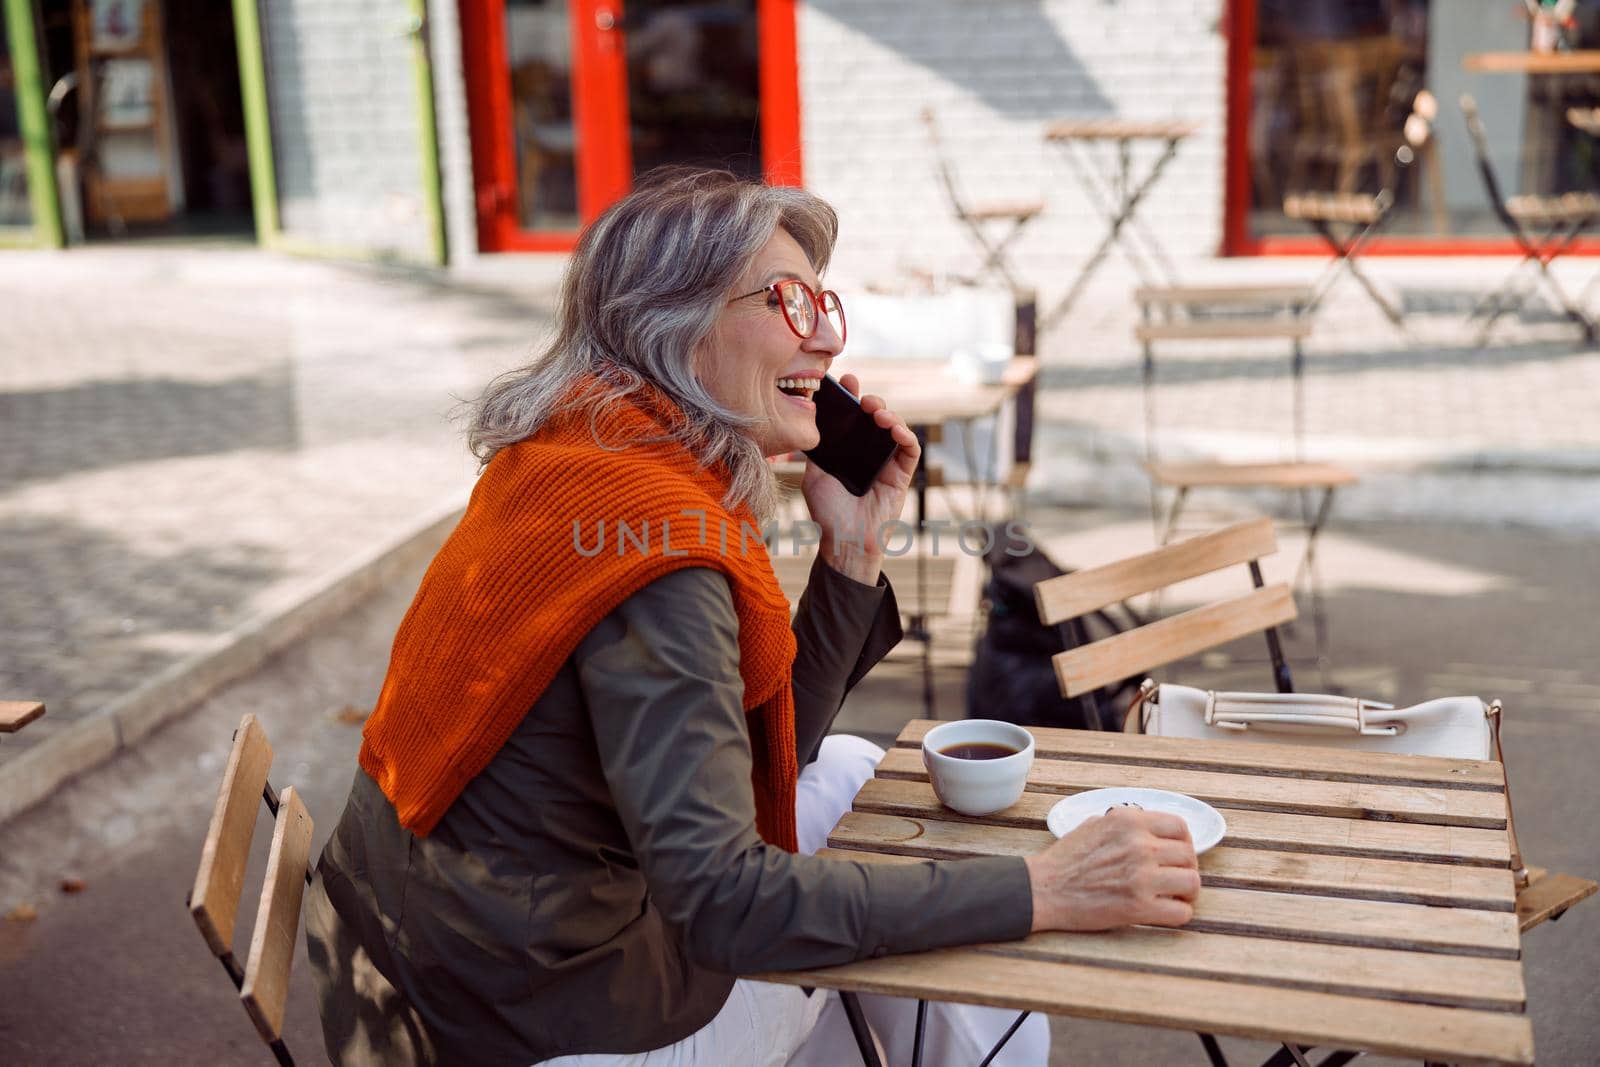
x=1312 y=712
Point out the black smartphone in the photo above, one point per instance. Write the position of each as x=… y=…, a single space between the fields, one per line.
x=854 y=447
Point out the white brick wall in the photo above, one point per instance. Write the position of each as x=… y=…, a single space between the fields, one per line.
x=996 y=72
x=342 y=92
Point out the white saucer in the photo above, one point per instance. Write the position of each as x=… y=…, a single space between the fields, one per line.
x=1206 y=825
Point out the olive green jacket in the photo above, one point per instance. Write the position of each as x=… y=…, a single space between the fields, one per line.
x=599 y=884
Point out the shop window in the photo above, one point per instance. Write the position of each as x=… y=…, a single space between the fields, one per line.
x=1331 y=84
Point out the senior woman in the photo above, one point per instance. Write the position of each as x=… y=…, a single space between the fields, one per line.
x=599 y=760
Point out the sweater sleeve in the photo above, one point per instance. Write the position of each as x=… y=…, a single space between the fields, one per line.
x=661 y=679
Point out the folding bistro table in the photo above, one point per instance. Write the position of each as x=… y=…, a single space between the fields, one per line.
x=1359 y=901
x=1108 y=179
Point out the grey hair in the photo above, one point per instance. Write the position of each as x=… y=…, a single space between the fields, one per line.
x=642 y=292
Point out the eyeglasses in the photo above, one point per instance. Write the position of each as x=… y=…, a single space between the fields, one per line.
x=800 y=303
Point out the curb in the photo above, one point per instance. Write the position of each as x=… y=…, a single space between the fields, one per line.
x=289 y=615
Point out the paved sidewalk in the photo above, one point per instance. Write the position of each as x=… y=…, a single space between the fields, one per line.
x=187 y=437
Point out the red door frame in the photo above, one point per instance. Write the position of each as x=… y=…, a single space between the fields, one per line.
x=1237 y=240
x=600 y=114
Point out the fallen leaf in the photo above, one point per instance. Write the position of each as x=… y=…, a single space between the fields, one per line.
x=73 y=884
x=22 y=913
x=350 y=715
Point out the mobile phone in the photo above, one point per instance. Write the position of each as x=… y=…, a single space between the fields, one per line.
x=854 y=447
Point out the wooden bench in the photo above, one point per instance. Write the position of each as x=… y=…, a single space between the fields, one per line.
x=263 y=983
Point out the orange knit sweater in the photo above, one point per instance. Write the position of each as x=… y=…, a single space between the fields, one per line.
x=528 y=573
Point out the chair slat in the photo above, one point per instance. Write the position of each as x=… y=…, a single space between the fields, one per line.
x=266 y=973
x=1088 y=667
x=1223 y=294
x=1548 y=895
x=15 y=714
x=1093 y=588
x=1298 y=475
x=1226 y=330
x=214 y=900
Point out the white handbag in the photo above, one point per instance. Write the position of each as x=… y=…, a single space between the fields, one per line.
x=1459 y=727
x=1452 y=727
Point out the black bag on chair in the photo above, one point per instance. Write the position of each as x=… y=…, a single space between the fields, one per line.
x=1011 y=677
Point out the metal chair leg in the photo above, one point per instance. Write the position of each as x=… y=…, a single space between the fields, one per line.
x=858 y=1027
x=1003 y=1039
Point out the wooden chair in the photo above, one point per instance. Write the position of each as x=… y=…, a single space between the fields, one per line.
x=263 y=984
x=15 y=714
x=1178 y=314
x=1346 y=220
x=1082 y=670
x=978 y=216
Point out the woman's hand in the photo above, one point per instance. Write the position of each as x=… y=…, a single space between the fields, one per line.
x=1127 y=866
x=851 y=524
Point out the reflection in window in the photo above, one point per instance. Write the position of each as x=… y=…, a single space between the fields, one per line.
x=538 y=43
x=1333 y=82
x=15 y=210
x=694 y=84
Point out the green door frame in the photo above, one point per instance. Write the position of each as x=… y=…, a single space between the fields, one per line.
x=258 y=140
x=33 y=118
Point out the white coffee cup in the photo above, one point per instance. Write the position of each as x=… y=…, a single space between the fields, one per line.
x=978 y=786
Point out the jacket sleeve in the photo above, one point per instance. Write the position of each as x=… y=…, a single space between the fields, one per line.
x=661 y=679
x=841 y=630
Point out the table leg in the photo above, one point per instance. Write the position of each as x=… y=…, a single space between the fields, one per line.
x=1124 y=212
x=919 y=619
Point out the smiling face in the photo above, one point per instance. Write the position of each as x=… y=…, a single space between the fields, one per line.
x=755 y=365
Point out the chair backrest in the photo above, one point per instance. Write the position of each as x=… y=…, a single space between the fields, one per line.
x=263 y=983
x=1085 y=668
x=1159 y=323
x=947 y=176
x=1480 y=148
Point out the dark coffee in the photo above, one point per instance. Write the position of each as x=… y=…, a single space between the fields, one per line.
x=979 y=750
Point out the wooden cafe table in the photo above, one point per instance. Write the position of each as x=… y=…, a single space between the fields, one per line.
x=1359 y=901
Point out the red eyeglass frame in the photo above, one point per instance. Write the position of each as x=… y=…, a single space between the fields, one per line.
x=776 y=288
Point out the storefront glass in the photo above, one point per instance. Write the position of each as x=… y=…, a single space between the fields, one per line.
x=694 y=91
x=1332 y=82
x=15 y=207
x=545 y=139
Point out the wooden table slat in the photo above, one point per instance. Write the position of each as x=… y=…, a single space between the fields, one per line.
x=1419 y=1031
x=1287 y=760
x=1408 y=977
x=1354 y=800
x=1467 y=846
x=1293 y=872
x=1302 y=917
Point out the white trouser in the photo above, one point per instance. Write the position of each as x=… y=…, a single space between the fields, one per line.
x=766 y=1025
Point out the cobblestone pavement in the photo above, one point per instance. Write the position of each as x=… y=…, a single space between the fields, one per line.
x=184 y=432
